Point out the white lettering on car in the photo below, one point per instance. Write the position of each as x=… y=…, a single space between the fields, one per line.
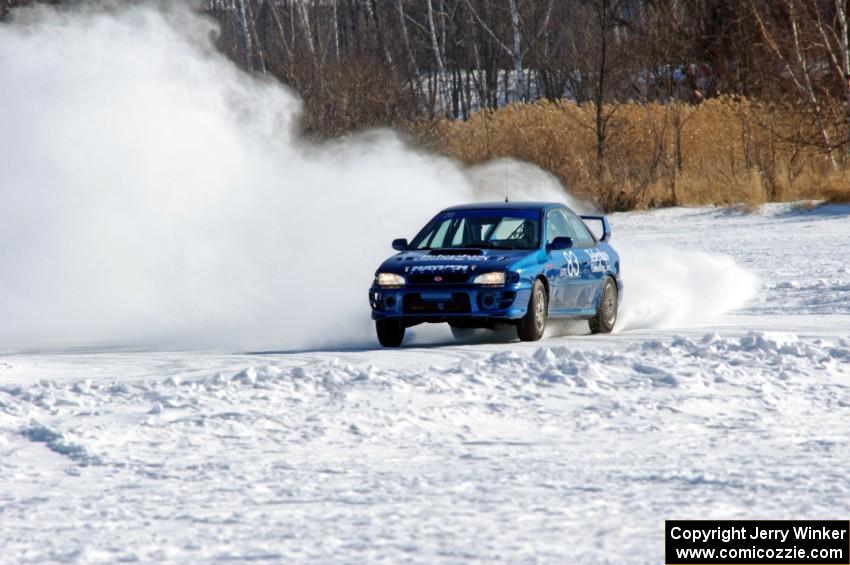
x=435 y=268
x=572 y=268
x=458 y=258
x=599 y=260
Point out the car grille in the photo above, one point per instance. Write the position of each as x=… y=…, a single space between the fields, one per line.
x=447 y=278
x=458 y=303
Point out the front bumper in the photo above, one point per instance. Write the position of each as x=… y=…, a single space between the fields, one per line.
x=437 y=303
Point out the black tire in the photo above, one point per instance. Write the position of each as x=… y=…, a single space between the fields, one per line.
x=390 y=332
x=606 y=312
x=533 y=324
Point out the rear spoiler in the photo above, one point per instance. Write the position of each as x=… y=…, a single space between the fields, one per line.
x=606 y=227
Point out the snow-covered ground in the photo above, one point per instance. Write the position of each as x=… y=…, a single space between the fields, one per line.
x=573 y=449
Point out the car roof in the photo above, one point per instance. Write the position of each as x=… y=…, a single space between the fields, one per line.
x=506 y=206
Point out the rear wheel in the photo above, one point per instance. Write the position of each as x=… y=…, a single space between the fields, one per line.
x=532 y=325
x=390 y=332
x=606 y=313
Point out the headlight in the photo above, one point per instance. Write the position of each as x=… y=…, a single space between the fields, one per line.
x=390 y=279
x=490 y=278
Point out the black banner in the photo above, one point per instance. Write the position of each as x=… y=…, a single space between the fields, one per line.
x=763 y=542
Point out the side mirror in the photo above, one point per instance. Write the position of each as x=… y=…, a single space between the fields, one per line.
x=560 y=243
x=400 y=244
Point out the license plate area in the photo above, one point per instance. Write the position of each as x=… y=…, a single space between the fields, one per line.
x=449 y=303
x=435 y=296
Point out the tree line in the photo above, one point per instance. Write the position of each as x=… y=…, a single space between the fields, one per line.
x=368 y=63
x=361 y=63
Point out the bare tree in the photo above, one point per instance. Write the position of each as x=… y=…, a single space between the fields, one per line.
x=834 y=38
x=516 y=52
x=796 y=64
x=442 y=98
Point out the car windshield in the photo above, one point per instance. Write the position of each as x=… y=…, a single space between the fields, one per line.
x=486 y=229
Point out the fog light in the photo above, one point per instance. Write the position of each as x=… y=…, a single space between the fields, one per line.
x=488 y=301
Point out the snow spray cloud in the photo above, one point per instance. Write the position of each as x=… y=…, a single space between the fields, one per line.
x=668 y=287
x=153 y=194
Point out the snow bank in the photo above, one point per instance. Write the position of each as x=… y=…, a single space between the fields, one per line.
x=550 y=452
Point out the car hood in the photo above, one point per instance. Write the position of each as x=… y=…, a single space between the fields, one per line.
x=467 y=261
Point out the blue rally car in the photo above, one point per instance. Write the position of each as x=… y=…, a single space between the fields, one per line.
x=488 y=265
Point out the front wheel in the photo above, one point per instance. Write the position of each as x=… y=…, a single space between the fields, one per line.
x=390 y=332
x=606 y=313
x=532 y=325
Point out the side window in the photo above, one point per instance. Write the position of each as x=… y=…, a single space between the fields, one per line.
x=557 y=226
x=583 y=237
